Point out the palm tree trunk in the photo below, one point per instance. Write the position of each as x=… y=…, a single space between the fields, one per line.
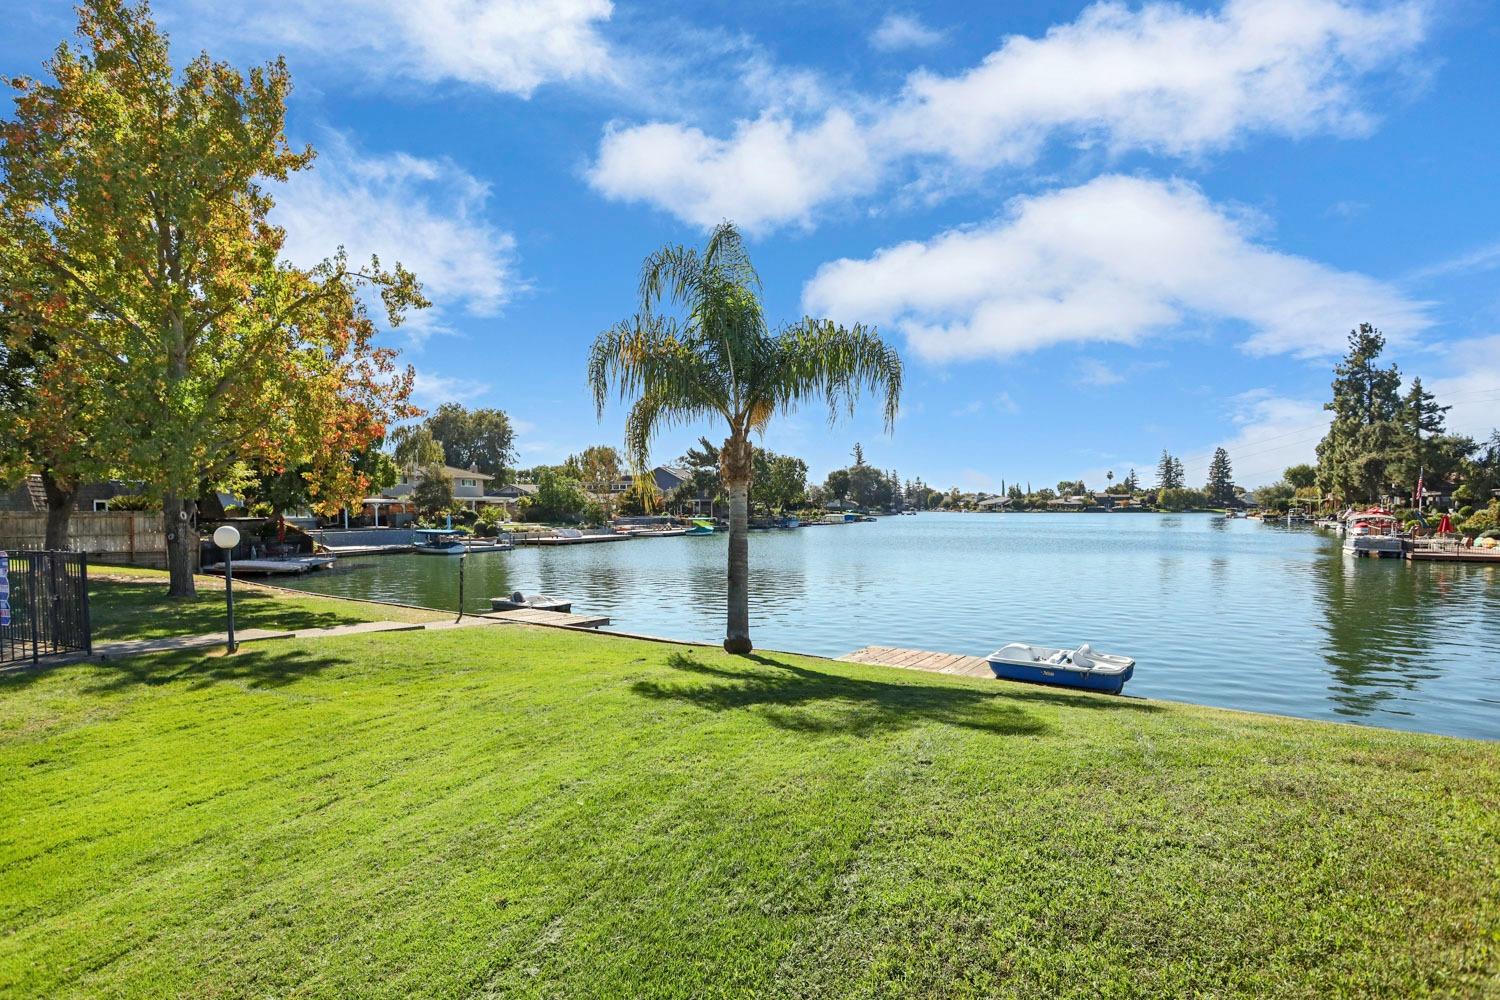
x=737 y=467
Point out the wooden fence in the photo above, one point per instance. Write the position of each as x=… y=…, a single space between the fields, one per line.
x=118 y=536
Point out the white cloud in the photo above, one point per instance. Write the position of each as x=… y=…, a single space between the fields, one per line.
x=768 y=173
x=1092 y=371
x=430 y=389
x=426 y=214
x=1274 y=432
x=512 y=46
x=1159 y=78
x=904 y=31
x=1473 y=391
x=1115 y=260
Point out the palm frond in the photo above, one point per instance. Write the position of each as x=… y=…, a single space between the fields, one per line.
x=820 y=359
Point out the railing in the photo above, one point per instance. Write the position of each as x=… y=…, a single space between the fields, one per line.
x=46 y=605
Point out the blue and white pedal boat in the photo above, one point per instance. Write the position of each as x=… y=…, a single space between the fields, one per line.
x=1081 y=668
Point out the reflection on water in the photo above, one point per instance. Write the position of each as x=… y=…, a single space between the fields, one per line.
x=1223 y=612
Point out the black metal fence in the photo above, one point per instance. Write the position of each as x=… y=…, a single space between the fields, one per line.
x=45 y=609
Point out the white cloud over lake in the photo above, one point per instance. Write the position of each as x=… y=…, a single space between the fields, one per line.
x=1159 y=78
x=1118 y=259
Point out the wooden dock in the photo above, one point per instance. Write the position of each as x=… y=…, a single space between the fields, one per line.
x=274 y=567
x=573 y=539
x=921 y=659
x=1491 y=556
x=533 y=616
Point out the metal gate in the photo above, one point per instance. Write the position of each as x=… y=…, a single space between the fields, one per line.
x=44 y=605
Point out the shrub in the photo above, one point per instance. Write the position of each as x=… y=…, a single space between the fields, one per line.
x=1464 y=512
x=1478 y=523
x=131 y=501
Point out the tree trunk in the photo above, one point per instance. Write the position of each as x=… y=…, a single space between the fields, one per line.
x=182 y=544
x=737 y=469
x=59 y=509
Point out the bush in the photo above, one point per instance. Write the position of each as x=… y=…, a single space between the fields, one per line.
x=1479 y=522
x=131 y=501
x=1464 y=512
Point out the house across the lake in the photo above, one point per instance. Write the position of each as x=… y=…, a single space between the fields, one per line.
x=664 y=477
x=471 y=489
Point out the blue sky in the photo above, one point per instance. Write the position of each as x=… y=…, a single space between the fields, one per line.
x=1093 y=230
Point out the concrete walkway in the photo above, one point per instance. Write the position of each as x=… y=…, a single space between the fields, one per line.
x=141 y=647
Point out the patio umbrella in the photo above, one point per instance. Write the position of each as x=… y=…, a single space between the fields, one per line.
x=1445 y=526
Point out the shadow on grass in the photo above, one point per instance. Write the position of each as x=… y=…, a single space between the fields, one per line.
x=805 y=700
x=268 y=665
x=142 y=610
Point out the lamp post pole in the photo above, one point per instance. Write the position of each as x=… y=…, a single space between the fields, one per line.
x=462 y=558
x=226 y=537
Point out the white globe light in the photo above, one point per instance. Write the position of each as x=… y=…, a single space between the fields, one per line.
x=226 y=536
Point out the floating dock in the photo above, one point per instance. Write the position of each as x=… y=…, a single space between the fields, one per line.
x=921 y=659
x=535 y=616
x=274 y=567
x=574 y=539
x=1491 y=556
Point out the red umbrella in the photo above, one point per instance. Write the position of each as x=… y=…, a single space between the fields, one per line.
x=1445 y=526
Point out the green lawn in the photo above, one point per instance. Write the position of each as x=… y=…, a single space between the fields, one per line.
x=132 y=603
x=504 y=811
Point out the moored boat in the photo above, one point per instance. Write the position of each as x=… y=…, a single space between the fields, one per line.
x=701 y=526
x=1374 y=533
x=440 y=542
x=1081 y=668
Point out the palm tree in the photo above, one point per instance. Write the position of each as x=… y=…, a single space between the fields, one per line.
x=699 y=348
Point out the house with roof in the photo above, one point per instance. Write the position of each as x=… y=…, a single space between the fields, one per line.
x=666 y=478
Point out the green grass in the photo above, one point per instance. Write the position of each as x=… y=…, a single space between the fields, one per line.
x=132 y=603
x=513 y=812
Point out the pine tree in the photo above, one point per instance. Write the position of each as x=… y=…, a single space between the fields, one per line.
x=1366 y=440
x=1179 y=475
x=1169 y=475
x=1220 y=486
x=1131 y=483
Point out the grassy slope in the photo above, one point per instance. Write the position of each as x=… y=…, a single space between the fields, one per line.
x=507 y=811
x=132 y=603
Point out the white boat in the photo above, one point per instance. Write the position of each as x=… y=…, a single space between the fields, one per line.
x=1373 y=533
x=1076 y=668
x=440 y=542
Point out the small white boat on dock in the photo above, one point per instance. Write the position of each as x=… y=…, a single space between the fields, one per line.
x=1081 y=668
x=536 y=602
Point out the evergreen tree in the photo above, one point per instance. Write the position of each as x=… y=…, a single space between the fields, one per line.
x=859 y=454
x=1169 y=475
x=1131 y=482
x=1220 y=488
x=1366 y=437
x=1422 y=421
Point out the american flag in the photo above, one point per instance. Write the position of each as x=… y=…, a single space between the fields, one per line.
x=1417 y=500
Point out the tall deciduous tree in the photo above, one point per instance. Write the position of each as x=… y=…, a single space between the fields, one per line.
x=136 y=193
x=480 y=439
x=413 y=447
x=713 y=357
x=49 y=403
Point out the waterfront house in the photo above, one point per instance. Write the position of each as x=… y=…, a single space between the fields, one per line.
x=664 y=477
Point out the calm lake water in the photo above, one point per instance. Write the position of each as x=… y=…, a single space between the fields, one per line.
x=1230 y=613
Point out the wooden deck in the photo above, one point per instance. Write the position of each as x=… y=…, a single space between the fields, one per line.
x=533 y=616
x=1491 y=556
x=921 y=659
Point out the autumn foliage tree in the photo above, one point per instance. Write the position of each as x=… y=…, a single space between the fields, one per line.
x=135 y=194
